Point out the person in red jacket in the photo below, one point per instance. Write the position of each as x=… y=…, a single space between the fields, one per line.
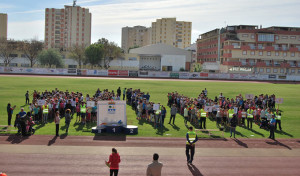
x=113 y=162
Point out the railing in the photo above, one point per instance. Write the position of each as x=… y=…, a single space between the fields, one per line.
x=231 y=63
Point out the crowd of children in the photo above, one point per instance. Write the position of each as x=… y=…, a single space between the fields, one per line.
x=259 y=109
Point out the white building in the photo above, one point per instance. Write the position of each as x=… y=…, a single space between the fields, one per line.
x=162 y=57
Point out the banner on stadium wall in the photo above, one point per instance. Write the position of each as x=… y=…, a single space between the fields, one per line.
x=224 y=76
x=213 y=75
x=1 y=69
x=102 y=72
x=123 y=73
x=133 y=73
x=234 y=76
x=113 y=72
x=281 y=77
x=194 y=75
x=205 y=75
x=252 y=76
x=272 y=76
x=174 y=75
x=143 y=73
x=184 y=75
x=279 y=100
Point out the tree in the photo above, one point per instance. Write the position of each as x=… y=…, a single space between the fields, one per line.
x=31 y=50
x=111 y=51
x=51 y=57
x=132 y=47
x=78 y=54
x=94 y=54
x=7 y=50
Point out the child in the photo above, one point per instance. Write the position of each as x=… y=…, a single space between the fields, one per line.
x=68 y=119
x=17 y=123
x=77 y=112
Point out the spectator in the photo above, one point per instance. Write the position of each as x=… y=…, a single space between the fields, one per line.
x=27 y=97
x=113 y=162
x=10 y=111
x=154 y=168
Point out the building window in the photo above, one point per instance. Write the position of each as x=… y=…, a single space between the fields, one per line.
x=269 y=53
x=268 y=70
x=252 y=53
x=284 y=37
x=276 y=37
x=266 y=37
x=293 y=37
x=292 y=54
x=245 y=35
x=281 y=70
x=284 y=54
x=292 y=70
x=260 y=53
x=244 y=52
x=275 y=70
x=252 y=36
x=276 y=53
x=261 y=70
x=298 y=71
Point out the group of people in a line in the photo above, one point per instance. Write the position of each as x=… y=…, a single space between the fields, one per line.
x=227 y=112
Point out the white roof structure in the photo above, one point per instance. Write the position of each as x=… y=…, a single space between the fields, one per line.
x=162 y=49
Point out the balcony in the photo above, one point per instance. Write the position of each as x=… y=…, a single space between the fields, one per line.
x=285 y=65
x=229 y=47
x=245 y=47
x=294 y=49
x=227 y=55
x=261 y=64
x=231 y=63
x=269 y=48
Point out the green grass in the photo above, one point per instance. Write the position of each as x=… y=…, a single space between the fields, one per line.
x=12 y=89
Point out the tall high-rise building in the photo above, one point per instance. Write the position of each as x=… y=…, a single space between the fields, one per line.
x=3 y=25
x=172 y=32
x=136 y=36
x=67 y=27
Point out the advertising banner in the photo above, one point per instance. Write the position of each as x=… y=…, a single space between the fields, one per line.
x=123 y=72
x=281 y=77
x=143 y=73
x=102 y=73
x=174 y=75
x=204 y=75
x=195 y=75
x=133 y=73
x=184 y=75
x=272 y=76
x=113 y=72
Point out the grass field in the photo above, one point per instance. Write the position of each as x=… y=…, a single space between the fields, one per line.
x=12 y=89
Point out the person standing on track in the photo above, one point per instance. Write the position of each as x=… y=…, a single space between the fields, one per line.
x=57 y=120
x=113 y=162
x=191 y=139
x=272 y=127
x=154 y=169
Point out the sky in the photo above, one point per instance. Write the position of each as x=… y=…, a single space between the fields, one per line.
x=26 y=18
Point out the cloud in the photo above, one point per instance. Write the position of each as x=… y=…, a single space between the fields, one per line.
x=26 y=30
x=30 y=11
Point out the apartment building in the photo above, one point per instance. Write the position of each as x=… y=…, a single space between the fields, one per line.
x=67 y=27
x=136 y=36
x=250 y=49
x=171 y=32
x=3 y=25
